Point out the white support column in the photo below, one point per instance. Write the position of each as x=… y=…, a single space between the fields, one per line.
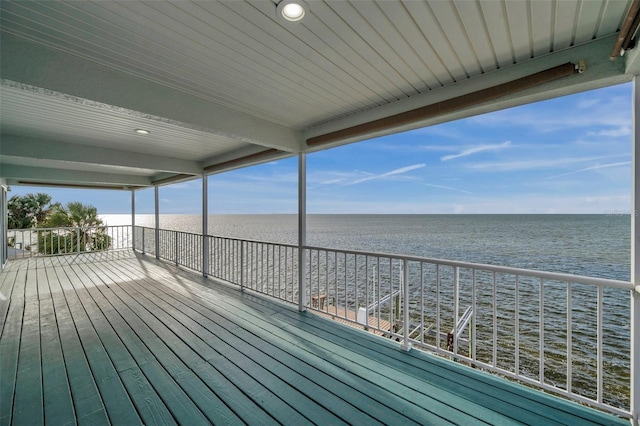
x=4 y=230
x=157 y=211
x=133 y=219
x=302 y=231
x=635 y=258
x=205 y=225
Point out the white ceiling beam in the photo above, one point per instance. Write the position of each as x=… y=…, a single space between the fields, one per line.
x=600 y=72
x=41 y=66
x=18 y=146
x=53 y=176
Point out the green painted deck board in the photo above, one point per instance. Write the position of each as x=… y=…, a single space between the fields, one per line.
x=115 y=398
x=217 y=396
x=371 y=405
x=84 y=391
x=246 y=356
x=137 y=377
x=58 y=404
x=263 y=396
x=126 y=339
x=523 y=404
x=27 y=403
x=7 y=282
x=497 y=393
x=328 y=391
x=9 y=349
x=367 y=379
x=181 y=407
x=300 y=374
x=312 y=365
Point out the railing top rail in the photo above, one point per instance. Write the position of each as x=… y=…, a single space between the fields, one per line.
x=555 y=276
x=255 y=241
x=69 y=228
x=225 y=238
x=197 y=234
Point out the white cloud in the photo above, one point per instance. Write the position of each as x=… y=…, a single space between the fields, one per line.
x=590 y=110
x=587 y=103
x=598 y=167
x=476 y=149
x=446 y=187
x=395 y=172
x=331 y=181
x=285 y=177
x=537 y=164
x=614 y=133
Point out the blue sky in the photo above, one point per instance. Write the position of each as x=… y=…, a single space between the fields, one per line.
x=566 y=155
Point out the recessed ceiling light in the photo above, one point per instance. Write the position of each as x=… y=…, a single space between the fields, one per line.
x=142 y=132
x=292 y=10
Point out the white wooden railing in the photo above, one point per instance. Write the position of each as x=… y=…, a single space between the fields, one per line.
x=562 y=333
x=61 y=241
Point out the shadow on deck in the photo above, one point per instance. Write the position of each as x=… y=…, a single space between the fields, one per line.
x=122 y=338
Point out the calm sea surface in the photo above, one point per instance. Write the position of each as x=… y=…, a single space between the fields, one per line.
x=591 y=245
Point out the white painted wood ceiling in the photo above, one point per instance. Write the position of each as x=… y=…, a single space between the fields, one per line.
x=346 y=60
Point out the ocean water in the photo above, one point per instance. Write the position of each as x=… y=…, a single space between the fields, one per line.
x=590 y=245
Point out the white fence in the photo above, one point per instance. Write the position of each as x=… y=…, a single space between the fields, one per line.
x=562 y=333
x=60 y=241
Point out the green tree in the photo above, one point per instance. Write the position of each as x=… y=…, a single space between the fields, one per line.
x=78 y=229
x=75 y=214
x=26 y=211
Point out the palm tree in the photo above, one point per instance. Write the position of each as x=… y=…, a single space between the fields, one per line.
x=30 y=210
x=88 y=235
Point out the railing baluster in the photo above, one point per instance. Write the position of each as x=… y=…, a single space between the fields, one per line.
x=405 y=308
x=345 y=286
x=495 y=323
x=175 y=237
x=242 y=260
x=438 y=343
x=541 y=332
x=392 y=319
x=517 y=326
x=422 y=302
x=456 y=306
x=569 y=337
x=317 y=280
x=366 y=290
x=599 y=344
x=326 y=283
x=472 y=328
x=335 y=285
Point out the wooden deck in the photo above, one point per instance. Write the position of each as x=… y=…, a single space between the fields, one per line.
x=348 y=317
x=123 y=339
